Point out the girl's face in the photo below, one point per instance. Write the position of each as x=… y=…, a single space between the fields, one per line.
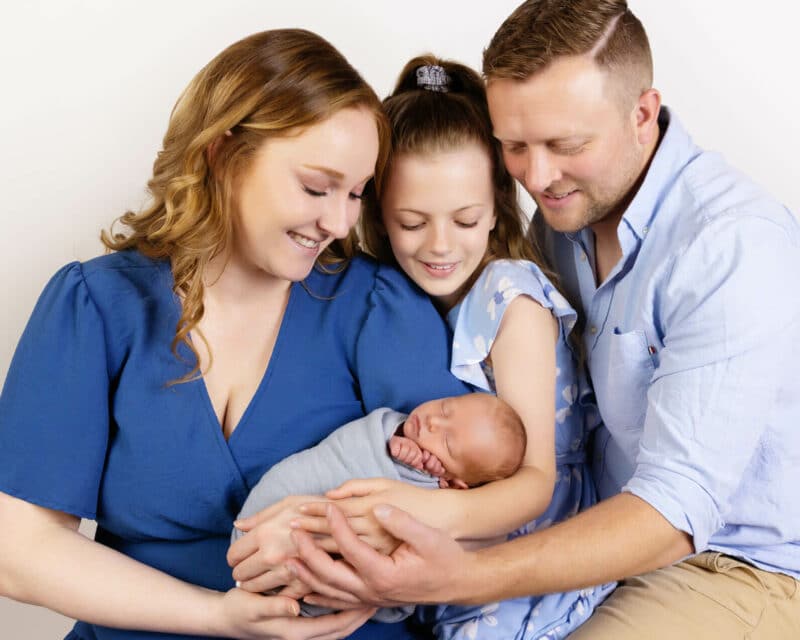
x=301 y=192
x=438 y=210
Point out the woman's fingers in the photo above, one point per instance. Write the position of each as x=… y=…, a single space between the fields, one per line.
x=267 y=581
x=356 y=488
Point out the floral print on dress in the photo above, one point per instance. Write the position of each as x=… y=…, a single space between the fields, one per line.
x=475 y=322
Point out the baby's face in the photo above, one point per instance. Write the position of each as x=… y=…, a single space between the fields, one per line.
x=456 y=430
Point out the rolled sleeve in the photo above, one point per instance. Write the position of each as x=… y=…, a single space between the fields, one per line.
x=721 y=371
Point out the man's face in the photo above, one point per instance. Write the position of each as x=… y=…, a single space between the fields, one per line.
x=568 y=139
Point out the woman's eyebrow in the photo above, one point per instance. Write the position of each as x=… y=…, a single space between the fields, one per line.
x=326 y=170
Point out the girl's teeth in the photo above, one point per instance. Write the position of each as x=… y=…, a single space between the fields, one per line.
x=440 y=267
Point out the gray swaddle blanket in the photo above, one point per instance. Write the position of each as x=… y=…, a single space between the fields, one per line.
x=355 y=450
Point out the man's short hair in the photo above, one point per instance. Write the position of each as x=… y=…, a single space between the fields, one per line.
x=539 y=31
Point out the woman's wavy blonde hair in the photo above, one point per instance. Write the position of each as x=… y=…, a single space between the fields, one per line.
x=270 y=84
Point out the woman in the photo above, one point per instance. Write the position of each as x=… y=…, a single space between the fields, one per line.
x=228 y=329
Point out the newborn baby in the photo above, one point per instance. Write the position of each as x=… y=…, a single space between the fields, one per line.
x=457 y=442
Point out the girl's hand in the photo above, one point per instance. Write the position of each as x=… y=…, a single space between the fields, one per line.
x=356 y=500
x=250 y=616
x=266 y=545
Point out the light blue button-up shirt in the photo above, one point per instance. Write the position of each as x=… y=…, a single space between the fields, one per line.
x=693 y=345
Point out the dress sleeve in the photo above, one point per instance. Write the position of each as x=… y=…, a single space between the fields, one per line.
x=403 y=349
x=477 y=318
x=54 y=408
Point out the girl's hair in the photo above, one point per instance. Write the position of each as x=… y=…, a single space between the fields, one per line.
x=438 y=106
x=270 y=84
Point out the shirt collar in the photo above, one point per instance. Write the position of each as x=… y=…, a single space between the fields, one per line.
x=674 y=152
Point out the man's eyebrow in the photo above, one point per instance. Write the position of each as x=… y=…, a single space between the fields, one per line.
x=326 y=170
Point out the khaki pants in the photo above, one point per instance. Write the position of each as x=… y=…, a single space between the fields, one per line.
x=710 y=596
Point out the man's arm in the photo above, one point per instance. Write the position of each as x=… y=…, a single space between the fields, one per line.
x=619 y=537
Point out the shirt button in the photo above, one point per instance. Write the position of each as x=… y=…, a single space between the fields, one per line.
x=593 y=330
x=645 y=230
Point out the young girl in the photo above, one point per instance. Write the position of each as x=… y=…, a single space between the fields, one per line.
x=447 y=215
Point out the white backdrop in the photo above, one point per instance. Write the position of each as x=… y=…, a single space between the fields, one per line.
x=86 y=87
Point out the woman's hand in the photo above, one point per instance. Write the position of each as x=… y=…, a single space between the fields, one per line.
x=250 y=616
x=258 y=556
x=356 y=500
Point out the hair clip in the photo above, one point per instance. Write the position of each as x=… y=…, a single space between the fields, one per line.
x=432 y=77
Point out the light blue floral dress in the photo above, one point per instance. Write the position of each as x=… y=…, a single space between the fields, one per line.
x=475 y=322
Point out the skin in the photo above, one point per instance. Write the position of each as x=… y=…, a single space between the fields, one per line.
x=445 y=436
x=622 y=536
x=438 y=210
x=299 y=190
x=43 y=558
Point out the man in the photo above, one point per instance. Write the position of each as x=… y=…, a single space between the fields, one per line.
x=678 y=263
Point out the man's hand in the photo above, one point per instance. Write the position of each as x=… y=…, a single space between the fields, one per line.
x=422 y=569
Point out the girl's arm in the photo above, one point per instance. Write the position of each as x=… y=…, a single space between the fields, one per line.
x=524 y=362
x=45 y=561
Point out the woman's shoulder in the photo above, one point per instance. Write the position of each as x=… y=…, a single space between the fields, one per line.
x=362 y=276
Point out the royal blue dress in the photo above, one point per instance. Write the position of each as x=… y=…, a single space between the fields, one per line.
x=90 y=426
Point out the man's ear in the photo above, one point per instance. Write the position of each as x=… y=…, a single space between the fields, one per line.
x=647 y=109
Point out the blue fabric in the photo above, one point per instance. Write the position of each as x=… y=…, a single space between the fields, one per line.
x=692 y=345
x=476 y=322
x=89 y=426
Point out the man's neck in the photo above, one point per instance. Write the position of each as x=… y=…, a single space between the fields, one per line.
x=607 y=248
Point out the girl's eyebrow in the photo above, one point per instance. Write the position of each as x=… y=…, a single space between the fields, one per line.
x=423 y=213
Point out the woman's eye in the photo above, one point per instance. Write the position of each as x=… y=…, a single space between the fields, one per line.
x=356 y=196
x=466 y=225
x=313 y=192
x=411 y=227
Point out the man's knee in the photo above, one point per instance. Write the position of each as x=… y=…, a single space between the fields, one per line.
x=708 y=596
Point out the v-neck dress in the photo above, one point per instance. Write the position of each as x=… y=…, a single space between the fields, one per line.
x=89 y=424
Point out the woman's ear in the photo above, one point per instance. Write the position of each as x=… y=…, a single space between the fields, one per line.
x=213 y=149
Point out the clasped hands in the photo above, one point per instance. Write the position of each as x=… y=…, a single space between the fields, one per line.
x=387 y=557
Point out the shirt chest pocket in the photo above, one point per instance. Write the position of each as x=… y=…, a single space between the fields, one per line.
x=621 y=373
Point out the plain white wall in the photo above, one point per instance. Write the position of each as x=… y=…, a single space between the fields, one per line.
x=87 y=87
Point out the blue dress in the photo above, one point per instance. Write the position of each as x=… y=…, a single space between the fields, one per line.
x=475 y=322
x=89 y=425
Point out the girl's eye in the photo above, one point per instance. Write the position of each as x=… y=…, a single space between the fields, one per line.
x=466 y=225
x=411 y=227
x=356 y=196
x=313 y=192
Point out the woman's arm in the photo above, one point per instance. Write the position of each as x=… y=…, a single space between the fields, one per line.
x=44 y=560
